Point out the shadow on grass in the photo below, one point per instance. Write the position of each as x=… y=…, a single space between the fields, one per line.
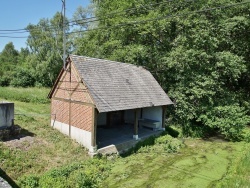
x=16 y=132
x=8 y=179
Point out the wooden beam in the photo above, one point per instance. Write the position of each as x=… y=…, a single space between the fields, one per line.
x=94 y=127
x=136 y=123
x=108 y=119
x=164 y=116
x=73 y=101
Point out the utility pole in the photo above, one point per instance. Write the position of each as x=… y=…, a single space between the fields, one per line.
x=64 y=34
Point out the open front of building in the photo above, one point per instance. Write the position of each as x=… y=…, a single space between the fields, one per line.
x=120 y=126
x=96 y=101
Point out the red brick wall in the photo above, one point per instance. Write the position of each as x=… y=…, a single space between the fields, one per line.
x=60 y=111
x=70 y=88
x=81 y=116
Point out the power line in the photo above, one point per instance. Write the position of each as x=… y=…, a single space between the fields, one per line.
x=8 y=31
x=126 y=10
x=15 y=37
x=162 y=17
x=94 y=17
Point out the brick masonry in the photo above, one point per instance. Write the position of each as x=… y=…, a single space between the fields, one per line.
x=70 y=87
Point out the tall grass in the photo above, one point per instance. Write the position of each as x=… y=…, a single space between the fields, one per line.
x=238 y=175
x=33 y=95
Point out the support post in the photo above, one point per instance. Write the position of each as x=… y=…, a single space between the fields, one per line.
x=135 y=136
x=164 y=117
x=93 y=131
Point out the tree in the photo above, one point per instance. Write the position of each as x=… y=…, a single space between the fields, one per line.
x=46 y=46
x=9 y=54
x=8 y=62
x=201 y=58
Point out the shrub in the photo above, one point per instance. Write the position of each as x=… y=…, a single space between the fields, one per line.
x=87 y=174
x=229 y=120
x=5 y=81
x=22 y=78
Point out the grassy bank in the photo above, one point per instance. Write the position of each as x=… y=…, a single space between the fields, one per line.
x=39 y=147
x=34 y=95
x=43 y=157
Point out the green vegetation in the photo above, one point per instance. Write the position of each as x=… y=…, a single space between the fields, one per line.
x=200 y=164
x=43 y=157
x=87 y=174
x=197 y=50
x=33 y=95
x=201 y=58
x=39 y=147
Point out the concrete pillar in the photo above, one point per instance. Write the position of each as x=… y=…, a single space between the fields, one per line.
x=6 y=114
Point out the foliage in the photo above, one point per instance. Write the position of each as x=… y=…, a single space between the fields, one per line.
x=22 y=78
x=171 y=131
x=197 y=50
x=33 y=95
x=163 y=143
x=238 y=175
x=40 y=62
x=87 y=174
x=5 y=80
x=201 y=58
x=231 y=127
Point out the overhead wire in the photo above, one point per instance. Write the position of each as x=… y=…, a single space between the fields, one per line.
x=126 y=10
x=96 y=18
x=88 y=20
x=162 y=17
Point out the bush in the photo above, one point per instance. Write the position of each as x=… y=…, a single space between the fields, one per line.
x=169 y=143
x=171 y=131
x=22 y=78
x=229 y=120
x=5 y=81
x=87 y=174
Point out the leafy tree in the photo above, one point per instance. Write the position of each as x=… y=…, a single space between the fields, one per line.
x=8 y=62
x=9 y=54
x=201 y=58
x=46 y=44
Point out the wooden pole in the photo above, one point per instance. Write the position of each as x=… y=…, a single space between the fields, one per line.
x=94 y=127
x=135 y=136
x=163 y=117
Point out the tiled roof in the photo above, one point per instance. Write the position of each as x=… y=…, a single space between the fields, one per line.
x=119 y=86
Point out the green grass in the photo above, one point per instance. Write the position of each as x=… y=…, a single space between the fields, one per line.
x=42 y=148
x=34 y=95
x=199 y=164
x=48 y=158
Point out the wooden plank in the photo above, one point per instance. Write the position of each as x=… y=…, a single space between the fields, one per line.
x=136 y=121
x=164 y=116
x=73 y=101
x=94 y=127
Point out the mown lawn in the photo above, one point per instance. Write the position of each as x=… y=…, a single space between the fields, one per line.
x=43 y=157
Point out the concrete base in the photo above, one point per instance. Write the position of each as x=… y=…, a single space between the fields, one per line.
x=136 y=137
x=79 y=135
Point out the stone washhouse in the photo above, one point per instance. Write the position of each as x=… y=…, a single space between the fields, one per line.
x=91 y=95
